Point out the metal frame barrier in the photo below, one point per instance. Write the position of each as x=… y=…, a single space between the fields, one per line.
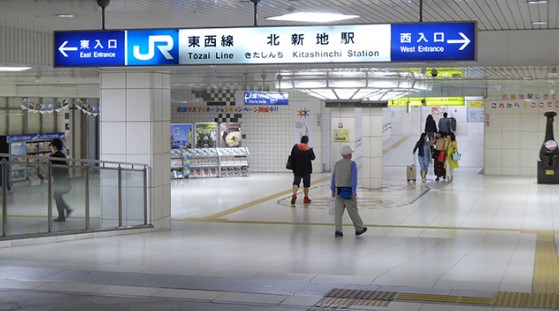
x=84 y=169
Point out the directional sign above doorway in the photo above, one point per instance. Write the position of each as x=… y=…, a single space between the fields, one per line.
x=268 y=45
x=89 y=48
x=433 y=42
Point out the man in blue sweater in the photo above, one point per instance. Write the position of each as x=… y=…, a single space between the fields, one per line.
x=344 y=189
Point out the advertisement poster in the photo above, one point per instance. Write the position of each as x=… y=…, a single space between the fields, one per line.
x=181 y=136
x=230 y=135
x=206 y=134
x=341 y=135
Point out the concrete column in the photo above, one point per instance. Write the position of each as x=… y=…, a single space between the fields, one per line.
x=365 y=138
x=371 y=174
x=134 y=127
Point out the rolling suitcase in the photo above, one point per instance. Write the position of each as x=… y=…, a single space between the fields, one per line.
x=411 y=171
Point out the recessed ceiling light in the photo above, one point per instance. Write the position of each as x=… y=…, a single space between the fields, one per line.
x=537 y=1
x=65 y=15
x=539 y=23
x=312 y=17
x=14 y=68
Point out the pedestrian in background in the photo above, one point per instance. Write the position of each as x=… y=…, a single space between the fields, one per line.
x=439 y=145
x=344 y=189
x=302 y=155
x=61 y=179
x=430 y=127
x=423 y=156
x=444 y=125
x=451 y=163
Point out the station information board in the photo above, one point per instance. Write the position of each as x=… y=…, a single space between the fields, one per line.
x=416 y=42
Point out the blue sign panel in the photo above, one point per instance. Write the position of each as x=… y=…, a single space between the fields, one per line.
x=265 y=98
x=152 y=47
x=433 y=42
x=33 y=137
x=89 y=48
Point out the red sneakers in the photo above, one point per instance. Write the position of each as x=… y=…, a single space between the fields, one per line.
x=293 y=199
x=307 y=200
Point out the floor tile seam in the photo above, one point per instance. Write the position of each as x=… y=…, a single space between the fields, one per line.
x=160 y=293
x=299 y=287
x=451 y=228
x=532 y=299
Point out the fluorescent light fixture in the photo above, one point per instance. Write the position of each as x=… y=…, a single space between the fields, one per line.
x=312 y=17
x=537 y=1
x=65 y=15
x=539 y=23
x=10 y=69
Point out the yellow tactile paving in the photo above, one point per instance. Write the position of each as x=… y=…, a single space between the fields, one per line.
x=546 y=265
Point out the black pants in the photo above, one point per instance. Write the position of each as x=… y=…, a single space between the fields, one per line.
x=306 y=180
x=61 y=205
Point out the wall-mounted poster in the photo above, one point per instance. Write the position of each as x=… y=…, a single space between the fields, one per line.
x=230 y=135
x=206 y=134
x=181 y=136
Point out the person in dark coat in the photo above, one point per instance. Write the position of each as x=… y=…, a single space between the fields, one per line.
x=444 y=125
x=61 y=179
x=302 y=155
x=430 y=127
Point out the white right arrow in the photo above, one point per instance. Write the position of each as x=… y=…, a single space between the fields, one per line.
x=63 y=48
x=465 y=40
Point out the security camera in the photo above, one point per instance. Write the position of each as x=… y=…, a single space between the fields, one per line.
x=103 y=3
x=434 y=73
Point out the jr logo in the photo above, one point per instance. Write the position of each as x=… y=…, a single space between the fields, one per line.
x=163 y=42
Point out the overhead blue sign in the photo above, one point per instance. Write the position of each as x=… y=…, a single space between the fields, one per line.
x=417 y=42
x=433 y=42
x=33 y=137
x=89 y=48
x=266 y=98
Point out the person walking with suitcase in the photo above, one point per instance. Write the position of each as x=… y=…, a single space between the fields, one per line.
x=424 y=155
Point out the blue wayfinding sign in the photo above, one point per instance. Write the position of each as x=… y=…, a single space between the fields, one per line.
x=417 y=42
x=433 y=42
x=89 y=48
x=266 y=98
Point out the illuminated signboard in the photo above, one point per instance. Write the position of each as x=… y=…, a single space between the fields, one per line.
x=265 y=98
x=268 y=45
x=428 y=101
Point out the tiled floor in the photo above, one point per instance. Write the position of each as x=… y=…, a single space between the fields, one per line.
x=237 y=245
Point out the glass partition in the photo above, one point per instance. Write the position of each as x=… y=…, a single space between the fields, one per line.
x=99 y=195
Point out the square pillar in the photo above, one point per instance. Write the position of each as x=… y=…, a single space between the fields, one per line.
x=134 y=127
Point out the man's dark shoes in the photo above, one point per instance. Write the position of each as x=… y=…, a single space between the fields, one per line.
x=60 y=219
x=360 y=232
x=339 y=234
x=68 y=212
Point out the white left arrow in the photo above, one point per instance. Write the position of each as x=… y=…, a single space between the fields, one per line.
x=63 y=48
x=465 y=41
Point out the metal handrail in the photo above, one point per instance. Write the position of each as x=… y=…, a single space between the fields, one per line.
x=85 y=165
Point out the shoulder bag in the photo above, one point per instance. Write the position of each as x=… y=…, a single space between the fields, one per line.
x=289 y=164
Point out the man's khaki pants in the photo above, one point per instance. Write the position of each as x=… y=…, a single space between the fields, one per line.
x=351 y=206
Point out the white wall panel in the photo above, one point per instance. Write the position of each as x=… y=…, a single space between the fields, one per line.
x=26 y=47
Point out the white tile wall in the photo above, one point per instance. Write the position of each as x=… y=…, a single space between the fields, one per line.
x=269 y=136
x=513 y=137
